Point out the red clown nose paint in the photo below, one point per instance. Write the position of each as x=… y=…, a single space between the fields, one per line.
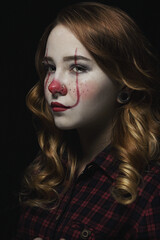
x=56 y=87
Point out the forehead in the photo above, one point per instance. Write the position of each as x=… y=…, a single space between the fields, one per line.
x=62 y=41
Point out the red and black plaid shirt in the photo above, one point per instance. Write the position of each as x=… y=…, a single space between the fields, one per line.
x=88 y=210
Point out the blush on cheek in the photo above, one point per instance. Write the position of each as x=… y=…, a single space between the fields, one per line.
x=87 y=90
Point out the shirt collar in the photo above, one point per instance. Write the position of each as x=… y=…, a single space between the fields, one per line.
x=107 y=162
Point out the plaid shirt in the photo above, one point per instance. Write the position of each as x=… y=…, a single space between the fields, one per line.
x=88 y=210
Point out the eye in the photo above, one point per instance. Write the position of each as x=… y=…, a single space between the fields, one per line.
x=49 y=67
x=76 y=68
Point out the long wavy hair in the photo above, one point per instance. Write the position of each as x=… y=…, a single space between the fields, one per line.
x=115 y=42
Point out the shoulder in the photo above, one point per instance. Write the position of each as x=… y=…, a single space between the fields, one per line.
x=152 y=174
x=151 y=180
x=147 y=206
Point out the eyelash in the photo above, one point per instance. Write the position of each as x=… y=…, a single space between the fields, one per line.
x=79 y=67
x=48 y=67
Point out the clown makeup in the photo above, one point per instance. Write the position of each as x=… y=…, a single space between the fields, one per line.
x=77 y=90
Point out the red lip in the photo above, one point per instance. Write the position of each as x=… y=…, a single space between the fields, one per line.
x=57 y=104
x=58 y=107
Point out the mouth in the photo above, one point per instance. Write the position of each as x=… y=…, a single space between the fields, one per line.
x=58 y=107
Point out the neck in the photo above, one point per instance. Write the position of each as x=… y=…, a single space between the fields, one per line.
x=93 y=140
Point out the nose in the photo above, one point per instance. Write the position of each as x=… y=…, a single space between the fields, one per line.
x=56 y=87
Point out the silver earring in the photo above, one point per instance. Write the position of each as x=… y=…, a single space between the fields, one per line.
x=123 y=97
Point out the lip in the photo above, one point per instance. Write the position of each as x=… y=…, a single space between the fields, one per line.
x=58 y=107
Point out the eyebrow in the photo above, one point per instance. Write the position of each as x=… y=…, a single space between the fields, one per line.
x=68 y=58
x=47 y=59
x=76 y=57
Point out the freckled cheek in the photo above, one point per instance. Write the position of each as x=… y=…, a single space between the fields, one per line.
x=88 y=91
x=72 y=90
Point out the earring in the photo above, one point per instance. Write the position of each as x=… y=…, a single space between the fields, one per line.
x=123 y=97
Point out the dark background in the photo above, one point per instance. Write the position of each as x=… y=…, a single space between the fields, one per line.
x=22 y=24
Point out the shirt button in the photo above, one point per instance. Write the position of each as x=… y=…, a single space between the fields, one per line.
x=85 y=234
x=57 y=217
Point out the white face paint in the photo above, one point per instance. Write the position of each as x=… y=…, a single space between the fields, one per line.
x=75 y=80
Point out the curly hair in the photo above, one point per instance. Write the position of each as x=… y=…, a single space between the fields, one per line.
x=116 y=43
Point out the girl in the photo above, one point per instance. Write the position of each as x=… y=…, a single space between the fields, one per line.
x=97 y=113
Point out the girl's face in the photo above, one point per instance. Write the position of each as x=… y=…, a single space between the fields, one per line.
x=78 y=92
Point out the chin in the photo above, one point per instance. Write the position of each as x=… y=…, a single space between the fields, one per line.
x=64 y=125
x=67 y=125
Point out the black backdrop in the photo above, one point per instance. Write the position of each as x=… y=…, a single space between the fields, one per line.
x=22 y=24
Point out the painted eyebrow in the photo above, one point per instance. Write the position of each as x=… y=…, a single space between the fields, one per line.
x=68 y=58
